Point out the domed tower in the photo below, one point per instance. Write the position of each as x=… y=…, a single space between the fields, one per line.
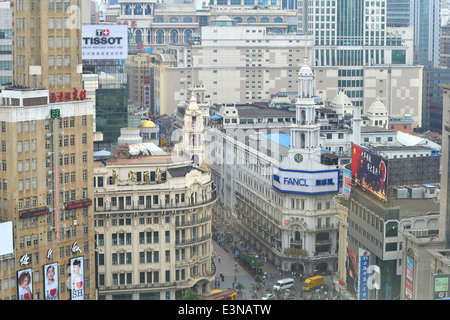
x=305 y=133
x=194 y=134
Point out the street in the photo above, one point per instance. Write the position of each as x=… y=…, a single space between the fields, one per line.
x=231 y=277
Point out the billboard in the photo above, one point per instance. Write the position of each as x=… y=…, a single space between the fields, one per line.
x=51 y=287
x=369 y=171
x=305 y=182
x=441 y=288
x=76 y=278
x=104 y=42
x=346 y=177
x=25 y=284
x=6 y=245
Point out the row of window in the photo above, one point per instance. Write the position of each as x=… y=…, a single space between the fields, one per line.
x=145 y=277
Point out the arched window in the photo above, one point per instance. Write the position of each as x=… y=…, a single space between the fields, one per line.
x=127 y=10
x=138 y=36
x=159 y=37
x=251 y=19
x=238 y=19
x=148 y=10
x=187 y=36
x=149 y=36
x=278 y=20
x=278 y=31
x=187 y=19
x=174 y=20
x=174 y=36
x=138 y=10
x=265 y=20
x=159 y=19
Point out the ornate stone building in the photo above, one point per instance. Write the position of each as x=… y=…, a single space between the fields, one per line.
x=153 y=223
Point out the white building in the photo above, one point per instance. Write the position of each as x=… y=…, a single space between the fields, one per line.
x=281 y=202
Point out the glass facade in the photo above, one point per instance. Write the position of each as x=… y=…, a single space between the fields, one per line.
x=111 y=112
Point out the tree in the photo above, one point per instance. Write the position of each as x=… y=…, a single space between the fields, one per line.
x=190 y=295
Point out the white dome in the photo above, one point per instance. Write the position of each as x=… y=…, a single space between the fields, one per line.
x=377 y=108
x=305 y=70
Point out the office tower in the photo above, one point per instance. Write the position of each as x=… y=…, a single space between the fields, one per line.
x=47 y=53
x=6 y=44
x=398 y=13
x=46 y=192
x=353 y=49
x=426 y=23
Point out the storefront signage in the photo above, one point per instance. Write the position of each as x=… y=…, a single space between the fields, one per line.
x=77 y=205
x=305 y=182
x=33 y=213
x=68 y=96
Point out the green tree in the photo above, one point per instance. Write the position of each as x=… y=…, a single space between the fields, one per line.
x=190 y=294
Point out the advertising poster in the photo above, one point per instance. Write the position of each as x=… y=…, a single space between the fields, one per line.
x=347 y=177
x=51 y=287
x=25 y=284
x=104 y=42
x=76 y=278
x=369 y=171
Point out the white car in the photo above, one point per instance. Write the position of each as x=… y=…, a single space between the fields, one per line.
x=268 y=296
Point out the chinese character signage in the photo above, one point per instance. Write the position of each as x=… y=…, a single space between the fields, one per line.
x=363 y=274
x=146 y=95
x=409 y=278
x=104 y=42
x=64 y=97
x=369 y=171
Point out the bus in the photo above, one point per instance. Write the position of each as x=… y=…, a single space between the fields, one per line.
x=227 y=294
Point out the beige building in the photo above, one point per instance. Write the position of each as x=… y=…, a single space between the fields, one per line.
x=398 y=87
x=47 y=37
x=46 y=192
x=153 y=220
x=238 y=64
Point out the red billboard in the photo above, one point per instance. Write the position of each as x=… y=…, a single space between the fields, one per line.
x=369 y=171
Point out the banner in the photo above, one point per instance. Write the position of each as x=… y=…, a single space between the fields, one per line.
x=51 y=287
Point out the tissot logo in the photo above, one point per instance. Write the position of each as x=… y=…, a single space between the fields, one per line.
x=102 y=32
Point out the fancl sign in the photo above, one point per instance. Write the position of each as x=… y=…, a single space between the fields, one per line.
x=305 y=182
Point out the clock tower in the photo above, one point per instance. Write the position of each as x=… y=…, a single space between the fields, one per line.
x=304 y=152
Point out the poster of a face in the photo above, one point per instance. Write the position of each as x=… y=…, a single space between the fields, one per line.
x=25 y=284
x=76 y=278
x=51 y=287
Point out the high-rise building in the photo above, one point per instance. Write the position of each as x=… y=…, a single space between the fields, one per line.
x=444 y=222
x=351 y=44
x=47 y=192
x=425 y=20
x=47 y=37
x=6 y=43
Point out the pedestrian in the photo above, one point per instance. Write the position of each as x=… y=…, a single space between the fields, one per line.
x=219 y=258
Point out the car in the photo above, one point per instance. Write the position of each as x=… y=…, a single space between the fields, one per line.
x=268 y=296
x=289 y=295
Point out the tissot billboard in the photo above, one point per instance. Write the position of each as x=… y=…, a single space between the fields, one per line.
x=369 y=171
x=305 y=182
x=104 y=42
